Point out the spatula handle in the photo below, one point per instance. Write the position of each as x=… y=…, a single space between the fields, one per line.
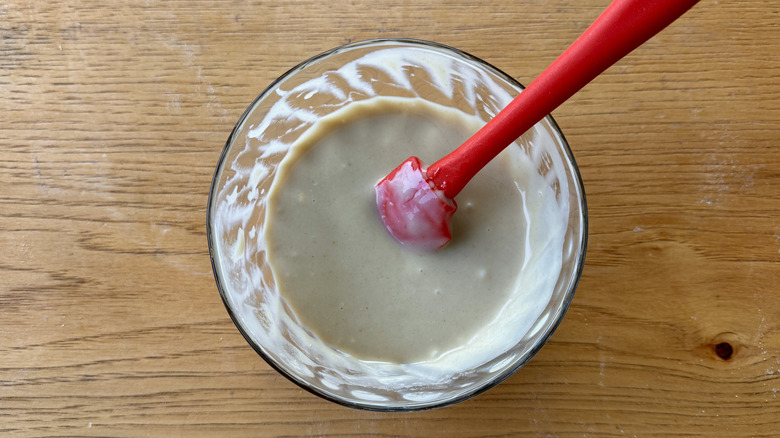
x=622 y=27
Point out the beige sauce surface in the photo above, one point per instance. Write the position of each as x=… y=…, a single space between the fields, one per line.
x=343 y=275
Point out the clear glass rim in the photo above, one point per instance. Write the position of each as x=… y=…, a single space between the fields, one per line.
x=491 y=383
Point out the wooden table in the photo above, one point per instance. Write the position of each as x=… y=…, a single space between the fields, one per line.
x=115 y=113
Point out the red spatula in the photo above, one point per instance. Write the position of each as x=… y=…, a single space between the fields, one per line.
x=416 y=203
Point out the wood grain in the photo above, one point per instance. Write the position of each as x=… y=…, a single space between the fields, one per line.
x=114 y=116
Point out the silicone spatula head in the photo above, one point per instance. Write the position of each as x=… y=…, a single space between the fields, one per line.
x=415 y=213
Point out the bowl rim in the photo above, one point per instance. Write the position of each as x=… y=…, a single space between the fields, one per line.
x=491 y=383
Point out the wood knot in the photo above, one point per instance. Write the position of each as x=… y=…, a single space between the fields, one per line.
x=724 y=350
x=724 y=345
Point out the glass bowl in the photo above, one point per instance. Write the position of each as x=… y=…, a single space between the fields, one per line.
x=282 y=114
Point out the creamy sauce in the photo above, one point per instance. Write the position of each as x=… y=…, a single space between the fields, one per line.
x=349 y=283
